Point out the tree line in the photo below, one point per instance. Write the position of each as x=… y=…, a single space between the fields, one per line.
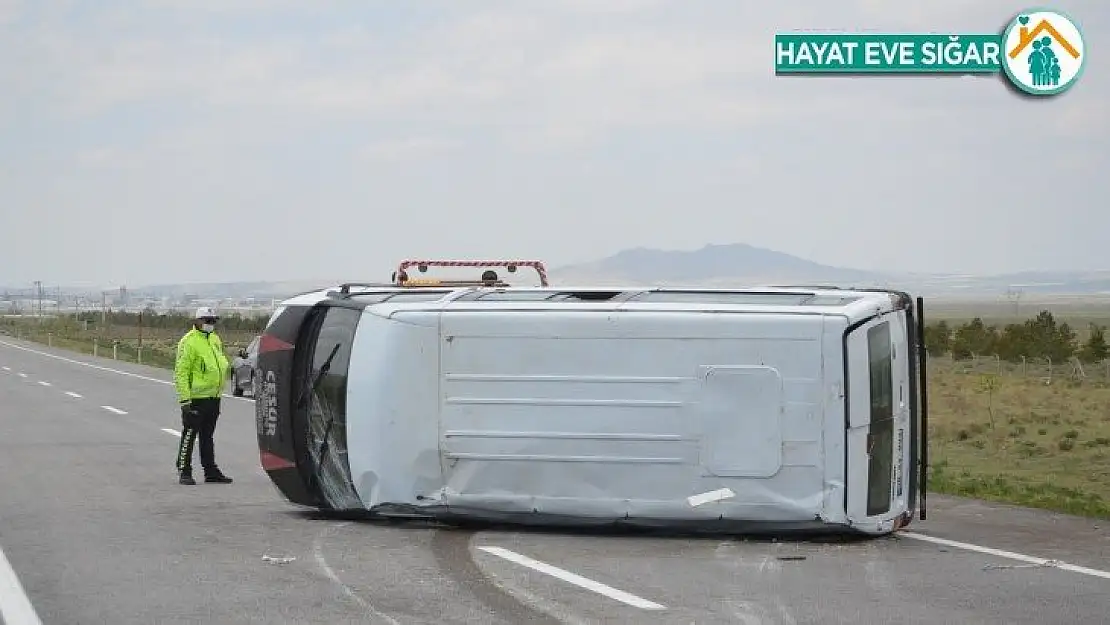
x=1039 y=337
x=233 y=322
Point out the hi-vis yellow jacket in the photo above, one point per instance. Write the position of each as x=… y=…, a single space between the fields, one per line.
x=201 y=366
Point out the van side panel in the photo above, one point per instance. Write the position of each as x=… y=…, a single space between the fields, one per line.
x=609 y=414
x=836 y=419
x=392 y=406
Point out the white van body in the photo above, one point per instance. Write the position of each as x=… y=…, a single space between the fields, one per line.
x=745 y=408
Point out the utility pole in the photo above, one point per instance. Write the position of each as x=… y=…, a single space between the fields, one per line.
x=1014 y=295
x=38 y=300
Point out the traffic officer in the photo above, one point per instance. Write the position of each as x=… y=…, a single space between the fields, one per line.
x=200 y=370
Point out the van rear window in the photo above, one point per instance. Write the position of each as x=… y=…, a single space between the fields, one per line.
x=881 y=461
x=327 y=405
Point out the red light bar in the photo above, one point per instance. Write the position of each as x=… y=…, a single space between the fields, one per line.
x=510 y=265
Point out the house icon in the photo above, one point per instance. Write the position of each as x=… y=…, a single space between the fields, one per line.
x=1027 y=36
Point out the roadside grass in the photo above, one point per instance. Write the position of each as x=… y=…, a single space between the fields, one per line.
x=122 y=342
x=1020 y=440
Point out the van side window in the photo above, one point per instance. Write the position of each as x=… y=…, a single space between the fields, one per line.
x=880 y=469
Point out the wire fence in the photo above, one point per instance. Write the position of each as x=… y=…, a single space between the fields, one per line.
x=156 y=351
x=1044 y=369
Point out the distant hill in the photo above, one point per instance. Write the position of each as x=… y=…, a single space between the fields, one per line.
x=733 y=263
x=736 y=264
x=740 y=264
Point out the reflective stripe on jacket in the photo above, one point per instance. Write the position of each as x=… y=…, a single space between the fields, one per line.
x=201 y=366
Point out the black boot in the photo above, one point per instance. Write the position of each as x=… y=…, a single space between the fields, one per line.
x=186 y=478
x=215 y=476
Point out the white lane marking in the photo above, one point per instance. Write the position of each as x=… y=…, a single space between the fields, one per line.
x=72 y=394
x=22 y=375
x=710 y=497
x=44 y=383
x=100 y=368
x=15 y=605
x=7 y=368
x=321 y=561
x=572 y=578
x=1074 y=568
x=174 y=432
x=115 y=410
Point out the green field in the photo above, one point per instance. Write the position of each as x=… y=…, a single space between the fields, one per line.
x=1078 y=313
x=1033 y=432
x=1017 y=439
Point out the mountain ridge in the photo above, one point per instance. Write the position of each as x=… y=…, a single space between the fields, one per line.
x=710 y=262
x=733 y=264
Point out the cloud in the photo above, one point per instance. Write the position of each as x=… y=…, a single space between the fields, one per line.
x=608 y=6
x=655 y=121
x=11 y=11
x=528 y=71
x=406 y=149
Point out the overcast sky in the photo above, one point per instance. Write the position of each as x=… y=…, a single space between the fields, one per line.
x=162 y=141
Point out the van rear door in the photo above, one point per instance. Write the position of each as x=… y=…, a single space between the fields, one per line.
x=301 y=408
x=275 y=420
x=878 y=417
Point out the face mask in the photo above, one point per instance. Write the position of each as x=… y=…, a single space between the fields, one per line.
x=208 y=327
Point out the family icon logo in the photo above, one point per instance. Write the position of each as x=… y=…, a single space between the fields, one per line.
x=1044 y=52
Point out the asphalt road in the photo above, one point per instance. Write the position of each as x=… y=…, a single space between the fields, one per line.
x=96 y=530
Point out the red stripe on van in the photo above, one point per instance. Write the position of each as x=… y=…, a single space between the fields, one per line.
x=274 y=462
x=270 y=343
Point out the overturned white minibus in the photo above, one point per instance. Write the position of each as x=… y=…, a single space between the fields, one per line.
x=721 y=409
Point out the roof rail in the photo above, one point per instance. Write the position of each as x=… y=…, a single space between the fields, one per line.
x=345 y=288
x=401 y=278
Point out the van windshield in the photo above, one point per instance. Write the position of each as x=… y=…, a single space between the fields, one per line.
x=326 y=384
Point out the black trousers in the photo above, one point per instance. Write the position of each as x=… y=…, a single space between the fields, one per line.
x=203 y=426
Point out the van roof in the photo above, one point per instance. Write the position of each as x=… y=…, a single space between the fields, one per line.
x=385 y=299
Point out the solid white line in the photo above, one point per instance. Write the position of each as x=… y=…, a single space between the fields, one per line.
x=1009 y=554
x=44 y=383
x=15 y=605
x=72 y=394
x=100 y=368
x=572 y=578
x=115 y=410
x=174 y=432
